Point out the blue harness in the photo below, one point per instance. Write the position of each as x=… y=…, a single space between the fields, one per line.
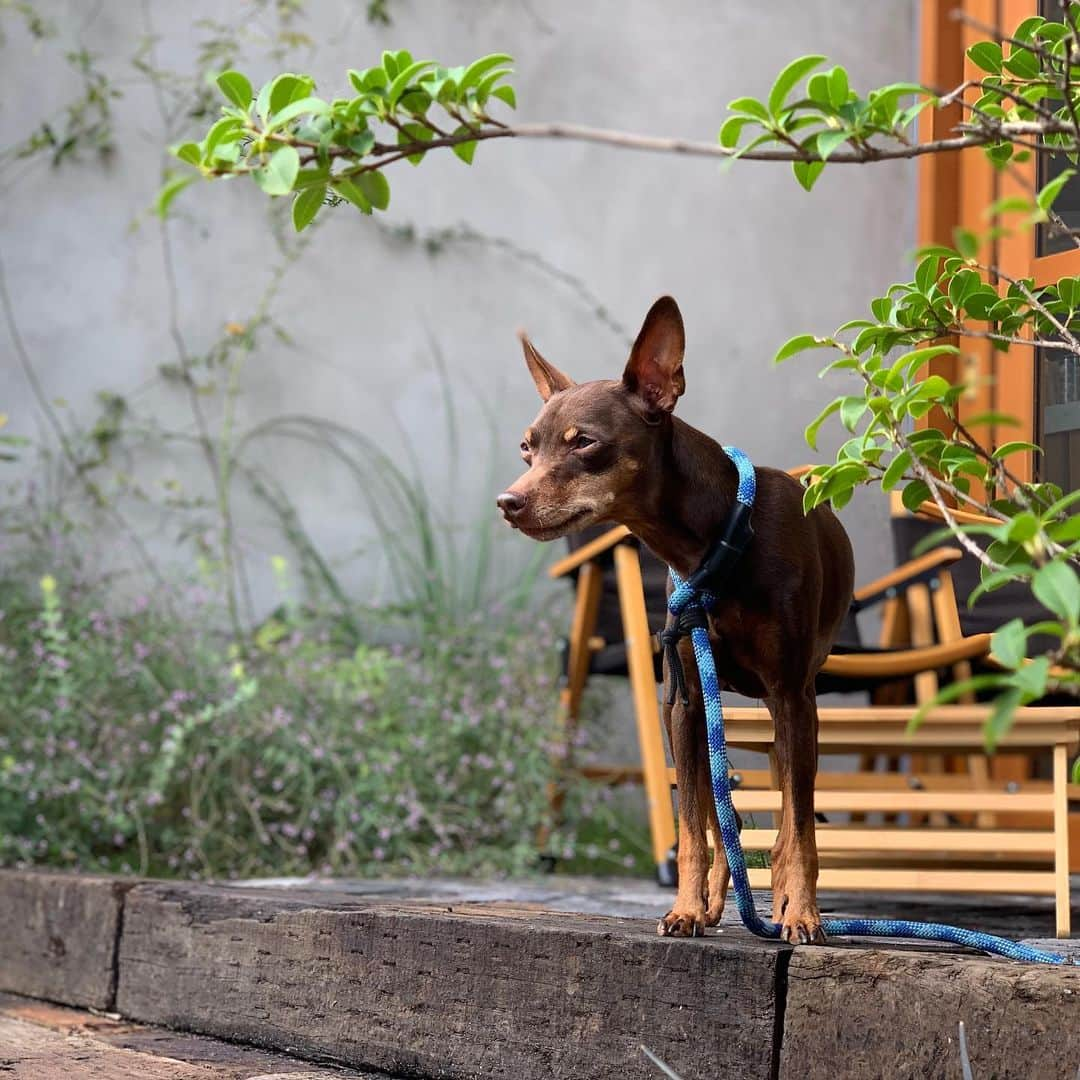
x=688 y=604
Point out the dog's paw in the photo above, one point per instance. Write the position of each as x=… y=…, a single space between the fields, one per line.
x=713 y=913
x=678 y=923
x=801 y=925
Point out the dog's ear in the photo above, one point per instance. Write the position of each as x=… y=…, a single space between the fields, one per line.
x=654 y=371
x=548 y=378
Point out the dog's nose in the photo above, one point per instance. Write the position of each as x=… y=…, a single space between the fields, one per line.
x=511 y=503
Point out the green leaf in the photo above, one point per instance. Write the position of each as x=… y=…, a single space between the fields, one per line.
x=807 y=172
x=933 y=387
x=479 y=68
x=987 y=56
x=1016 y=447
x=815 y=424
x=349 y=190
x=225 y=132
x=1009 y=643
x=731 y=130
x=991 y=582
x=1069 y=290
x=286 y=89
x=505 y=94
x=1030 y=679
x=188 y=152
x=1021 y=62
x=411 y=134
x=315 y=106
x=1022 y=527
x=278 y=175
x=1055 y=587
x=786 y=80
x=915 y=494
x=235 y=87
x=895 y=471
x=403 y=78
x=751 y=107
x=169 y=192
x=306 y=205
x=464 y=150
x=362 y=143
x=839 y=91
x=851 y=410
x=1000 y=719
x=800 y=343
x=375 y=187
x=967 y=243
x=910 y=362
x=1049 y=192
x=828 y=141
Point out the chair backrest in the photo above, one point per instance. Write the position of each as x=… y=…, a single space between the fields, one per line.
x=991 y=610
x=654 y=573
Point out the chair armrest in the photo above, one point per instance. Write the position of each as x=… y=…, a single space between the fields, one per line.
x=929 y=508
x=908 y=572
x=799 y=471
x=588 y=552
x=904 y=662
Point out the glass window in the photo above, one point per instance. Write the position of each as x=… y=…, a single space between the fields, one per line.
x=1049 y=241
x=1059 y=417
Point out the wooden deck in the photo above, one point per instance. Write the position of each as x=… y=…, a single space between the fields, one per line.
x=458 y=980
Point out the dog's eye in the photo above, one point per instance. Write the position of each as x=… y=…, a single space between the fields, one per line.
x=583 y=442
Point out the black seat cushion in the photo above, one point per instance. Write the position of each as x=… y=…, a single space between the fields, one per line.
x=611 y=660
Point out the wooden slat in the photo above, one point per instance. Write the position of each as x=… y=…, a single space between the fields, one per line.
x=846 y=838
x=612 y=774
x=901 y=662
x=854 y=739
x=1035 y=882
x=944 y=556
x=899 y=802
x=1066 y=716
x=588 y=551
x=1061 y=841
x=639 y=659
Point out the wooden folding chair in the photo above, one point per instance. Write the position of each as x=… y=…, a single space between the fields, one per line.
x=919 y=604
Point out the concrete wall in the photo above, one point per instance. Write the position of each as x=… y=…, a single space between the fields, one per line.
x=751 y=258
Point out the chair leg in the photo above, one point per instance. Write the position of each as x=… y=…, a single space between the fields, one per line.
x=639 y=659
x=1061 y=840
x=578 y=658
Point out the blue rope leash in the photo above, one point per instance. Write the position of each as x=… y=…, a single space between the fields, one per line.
x=683 y=598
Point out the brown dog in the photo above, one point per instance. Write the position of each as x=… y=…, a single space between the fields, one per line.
x=610 y=451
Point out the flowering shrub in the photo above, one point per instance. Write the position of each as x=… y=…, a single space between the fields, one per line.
x=128 y=743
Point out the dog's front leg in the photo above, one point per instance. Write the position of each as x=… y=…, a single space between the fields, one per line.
x=794 y=858
x=686 y=731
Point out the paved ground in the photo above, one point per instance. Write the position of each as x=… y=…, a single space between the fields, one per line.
x=1023 y=918
x=39 y=1041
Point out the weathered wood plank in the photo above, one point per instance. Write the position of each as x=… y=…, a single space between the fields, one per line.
x=58 y=935
x=473 y=990
x=872 y=1012
x=40 y=1041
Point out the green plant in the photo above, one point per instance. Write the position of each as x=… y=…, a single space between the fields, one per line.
x=1028 y=103
x=128 y=746
x=290 y=140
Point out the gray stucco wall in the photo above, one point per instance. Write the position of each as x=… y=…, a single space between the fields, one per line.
x=751 y=258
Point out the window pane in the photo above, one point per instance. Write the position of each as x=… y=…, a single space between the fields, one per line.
x=1067 y=204
x=1059 y=408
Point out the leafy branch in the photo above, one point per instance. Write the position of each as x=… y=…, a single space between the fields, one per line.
x=1025 y=103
